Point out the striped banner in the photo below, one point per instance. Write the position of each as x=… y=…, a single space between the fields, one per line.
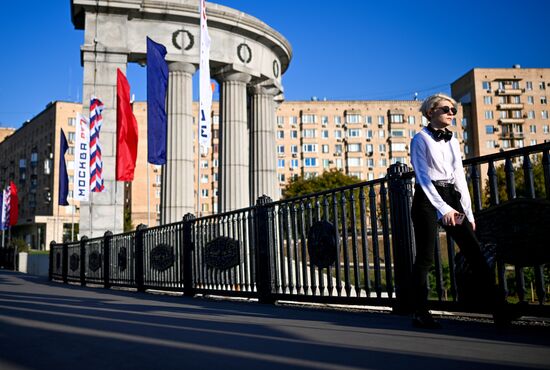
x=6 y=195
x=96 y=163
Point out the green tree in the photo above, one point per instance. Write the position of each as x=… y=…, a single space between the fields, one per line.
x=128 y=226
x=328 y=180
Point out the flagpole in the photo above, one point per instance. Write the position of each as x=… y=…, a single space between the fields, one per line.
x=148 y=199
x=114 y=213
x=57 y=222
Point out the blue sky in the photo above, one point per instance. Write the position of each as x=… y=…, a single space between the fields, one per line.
x=359 y=49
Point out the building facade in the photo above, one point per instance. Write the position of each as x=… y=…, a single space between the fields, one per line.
x=505 y=108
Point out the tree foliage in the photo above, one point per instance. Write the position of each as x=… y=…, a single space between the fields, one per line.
x=328 y=180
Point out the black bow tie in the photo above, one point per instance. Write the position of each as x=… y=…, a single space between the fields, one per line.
x=439 y=135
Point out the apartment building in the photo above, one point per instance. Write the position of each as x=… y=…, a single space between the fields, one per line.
x=29 y=157
x=505 y=108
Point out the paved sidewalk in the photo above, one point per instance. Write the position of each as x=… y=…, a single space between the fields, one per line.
x=47 y=325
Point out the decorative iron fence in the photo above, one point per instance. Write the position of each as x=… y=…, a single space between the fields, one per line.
x=351 y=245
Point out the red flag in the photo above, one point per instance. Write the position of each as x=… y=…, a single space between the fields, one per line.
x=127 y=131
x=14 y=204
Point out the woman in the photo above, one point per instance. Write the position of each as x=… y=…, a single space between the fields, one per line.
x=442 y=196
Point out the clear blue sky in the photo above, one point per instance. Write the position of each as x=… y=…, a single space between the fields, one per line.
x=356 y=49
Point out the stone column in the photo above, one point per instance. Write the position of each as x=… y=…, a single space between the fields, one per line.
x=233 y=181
x=104 y=211
x=263 y=166
x=177 y=195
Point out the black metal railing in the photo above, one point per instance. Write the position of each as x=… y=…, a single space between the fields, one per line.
x=351 y=245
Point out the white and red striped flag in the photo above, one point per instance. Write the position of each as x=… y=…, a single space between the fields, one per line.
x=96 y=162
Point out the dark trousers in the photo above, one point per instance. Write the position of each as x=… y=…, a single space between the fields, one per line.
x=424 y=217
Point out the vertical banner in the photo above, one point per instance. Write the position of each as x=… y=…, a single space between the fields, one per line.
x=63 y=176
x=96 y=161
x=6 y=209
x=127 y=131
x=157 y=85
x=81 y=184
x=205 y=89
x=14 y=204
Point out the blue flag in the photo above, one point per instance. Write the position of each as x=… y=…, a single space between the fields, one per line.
x=157 y=83
x=63 y=177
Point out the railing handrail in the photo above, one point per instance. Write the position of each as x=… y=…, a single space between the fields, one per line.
x=506 y=154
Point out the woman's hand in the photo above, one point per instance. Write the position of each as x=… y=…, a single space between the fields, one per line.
x=449 y=218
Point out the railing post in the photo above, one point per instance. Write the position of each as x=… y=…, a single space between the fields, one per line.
x=188 y=289
x=263 y=237
x=107 y=238
x=140 y=230
x=50 y=264
x=65 y=263
x=400 y=191
x=83 y=241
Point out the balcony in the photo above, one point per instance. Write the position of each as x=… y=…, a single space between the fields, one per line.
x=512 y=135
x=509 y=91
x=509 y=121
x=506 y=106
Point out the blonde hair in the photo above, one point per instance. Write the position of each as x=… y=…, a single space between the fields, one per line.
x=432 y=101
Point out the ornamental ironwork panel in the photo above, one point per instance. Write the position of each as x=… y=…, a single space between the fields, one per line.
x=74 y=262
x=162 y=257
x=58 y=261
x=94 y=261
x=122 y=259
x=222 y=253
x=322 y=244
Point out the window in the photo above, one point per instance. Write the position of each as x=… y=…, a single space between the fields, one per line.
x=369 y=148
x=352 y=148
x=533 y=129
x=293 y=163
x=204 y=179
x=337 y=120
x=488 y=114
x=530 y=100
x=368 y=120
x=280 y=134
x=542 y=85
x=545 y=129
x=412 y=133
x=324 y=134
x=215 y=163
x=369 y=134
x=281 y=177
x=412 y=120
x=204 y=164
x=533 y=142
x=293 y=134
x=324 y=148
x=528 y=85
x=71 y=150
x=486 y=85
x=370 y=176
x=354 y=132
x=398 y=133
x=22 y=163
x=544 y=114
x=311 y=133
x=489 y=129
x=464 y=122
x=294 y=149
x=531 y=114
x=338 y=134
x=382 y=148
x=339 y=163
x=281 y=163
x=490 y=144
x=309 y=118
x=71 y=121
x=293 y=120
x=515 y=100
x=324 y=120
x=516 y=114
x=71 y=137
x=380 y=120
x=398 y=147
x=326 y=163
x=158 y=180
x=280 y=120
x=381 y=133
x=397 y=118
x=338 y=148
x=353 y=118
x=309 y=148
x=310 y=162
x=487 y=100
x=204 y=193
x=370 y=162
x=383 y=162
x=520 y=143
x=506 y=144
x=543 y=100
x=216 y=119
x=280 y=149
x=354 y=162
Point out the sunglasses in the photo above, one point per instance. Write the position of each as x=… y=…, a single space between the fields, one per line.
x=446 y=110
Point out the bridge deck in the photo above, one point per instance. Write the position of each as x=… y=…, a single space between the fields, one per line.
x=47 y=325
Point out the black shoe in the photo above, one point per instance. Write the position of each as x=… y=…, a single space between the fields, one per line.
x=425 y=320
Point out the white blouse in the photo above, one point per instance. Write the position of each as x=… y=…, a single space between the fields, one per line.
x=439 y=160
